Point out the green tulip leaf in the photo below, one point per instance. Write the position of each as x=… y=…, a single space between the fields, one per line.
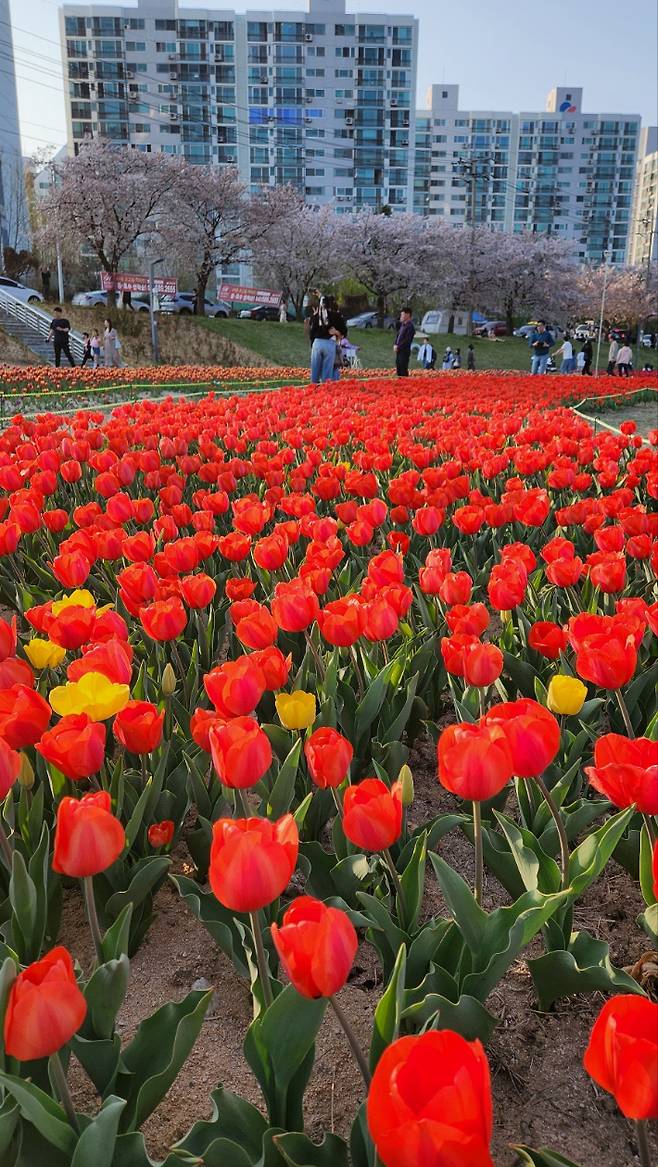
x=97 y=1142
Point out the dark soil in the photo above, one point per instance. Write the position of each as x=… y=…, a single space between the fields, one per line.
x=542 y=1095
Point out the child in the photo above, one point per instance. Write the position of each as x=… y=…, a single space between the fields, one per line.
x=96 y=349
x=86 y=350
x=470 y=358
x=457 y=359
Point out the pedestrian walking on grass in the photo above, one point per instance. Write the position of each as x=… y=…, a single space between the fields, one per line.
x=111 y=346
x=587 y=352
x=402 y=346
x=612 y=356
x=624 y=360
x=470 y=358
x=59 y=334
x=326 y=323
x=566 y=351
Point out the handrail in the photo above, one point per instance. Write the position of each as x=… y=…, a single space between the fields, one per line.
x=36 y=319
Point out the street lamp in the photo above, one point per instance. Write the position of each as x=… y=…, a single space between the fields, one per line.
x=606 y=256
x=154 y=324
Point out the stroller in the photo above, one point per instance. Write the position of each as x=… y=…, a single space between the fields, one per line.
x=350 y=354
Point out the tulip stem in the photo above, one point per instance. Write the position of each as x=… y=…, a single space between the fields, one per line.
x=643 y=1142
x=339 y=805
x=58 y=1075
x=560 y=828
x=652 y=829
x=177 y=658
x=240 y=803
x=315 y=654
x=625 y=714
x=479 y=852
x=399 y=890
x=261 y=959
x=6 y=848
x=357 y=672
x=92 y=917
x=359 y=1056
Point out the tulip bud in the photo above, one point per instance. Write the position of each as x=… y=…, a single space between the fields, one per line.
x=26 y=773
x=566 y=695
x=168 y=683
x=406 y=778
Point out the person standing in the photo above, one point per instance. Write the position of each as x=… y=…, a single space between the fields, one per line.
x=426 y=355
x=470 y=359
x=540 y=343
x=326 y=323
x=448 y=358
x=283 y=311
x=612 y=356
x=127 y=300
x=568 y=360
x=624 y=360
x=111 y=346
x=45 y=281
x=86 y=350
x=59 y=334
x=457 y=359
x=402 y=346
x=96 y=349
x=587 y=353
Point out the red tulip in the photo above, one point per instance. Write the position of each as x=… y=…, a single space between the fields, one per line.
x=274 y=666
x=73 y=627
x=328 y=756
x=198 y=590
x=76 y=746
x=625 y=770
x=252 y=861
x=236 y=687
x=483 y=664
x=164 y=619
x=608 y=661
x=241 y=752
x=317 y=945
x=10 y=767
x=467 y=619
x=24 y=716
x=15 y=671
x=342 y=621
x=622 y=1054
x=533 y=734
x=71 y=570
x=44 y=1009
x=258 y=629
x=548 y=639
x=429 y=1103
x=295 y=605
x=112 y=658
x=88 y=837
x=372 y=814
x=456 y=588
x=7 y=639
x=475 y=760
x=138 y=726
x=161 y=834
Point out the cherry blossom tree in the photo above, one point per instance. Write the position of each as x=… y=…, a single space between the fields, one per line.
x=630 y=294
x=108 y=198
x=386 y=254
x=300 y=248
x=533 y=273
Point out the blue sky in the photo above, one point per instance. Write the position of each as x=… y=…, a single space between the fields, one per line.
x=504 y=54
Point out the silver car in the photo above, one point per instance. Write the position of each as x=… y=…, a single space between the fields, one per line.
x=183 y=305
x=139 y=301
x=20 y=291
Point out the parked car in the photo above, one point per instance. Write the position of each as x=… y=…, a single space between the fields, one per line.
x=498 y=327
x=586 y=331
x=182 y=304
x=370 y=320
x=263 y=312
x=20 y=291
x=645 y=340
x=139 y=301
x=526 y=329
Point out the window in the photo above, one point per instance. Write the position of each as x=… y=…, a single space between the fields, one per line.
x=345 y=30
x=256 y=30
x=136 y=24
x=165 y=26
x=135 y=46
x=224 y=30
x=141 y=128
x=74 y=26
x=164 y=46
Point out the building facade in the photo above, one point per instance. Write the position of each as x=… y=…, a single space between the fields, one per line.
x=13 y=215
x=560 y=171
x=644 y=231
x=325 y=101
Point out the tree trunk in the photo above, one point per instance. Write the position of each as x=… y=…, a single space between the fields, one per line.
x=381 y=310
x=201 y=285
x=509 y=317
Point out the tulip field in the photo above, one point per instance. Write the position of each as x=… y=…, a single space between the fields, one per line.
x=329 y=778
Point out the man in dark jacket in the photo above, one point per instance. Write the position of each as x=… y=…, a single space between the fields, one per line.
x=540 y=342
x=59 y=334
x=402 y=346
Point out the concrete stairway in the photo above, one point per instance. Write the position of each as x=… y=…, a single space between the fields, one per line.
x=30 y=325
x=27 y=336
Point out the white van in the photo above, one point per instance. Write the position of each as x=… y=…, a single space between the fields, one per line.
x=445 y=320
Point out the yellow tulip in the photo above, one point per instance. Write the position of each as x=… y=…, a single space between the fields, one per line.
x=168 y=682
x=296 y=710
x=80 y=598
x=93 y=694
x=566 y=694
x=44 y=655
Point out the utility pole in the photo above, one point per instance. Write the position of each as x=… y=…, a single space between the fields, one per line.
x=606 y=256
x=472 y=170
x=58 y=251
x=646 y=225
x=154 y=324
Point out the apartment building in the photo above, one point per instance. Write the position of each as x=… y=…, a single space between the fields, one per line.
x=644 y=228
x=324 y=100
x=13 y=215
x=562 y=170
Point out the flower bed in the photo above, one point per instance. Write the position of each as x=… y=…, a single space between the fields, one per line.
x=238 y=621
